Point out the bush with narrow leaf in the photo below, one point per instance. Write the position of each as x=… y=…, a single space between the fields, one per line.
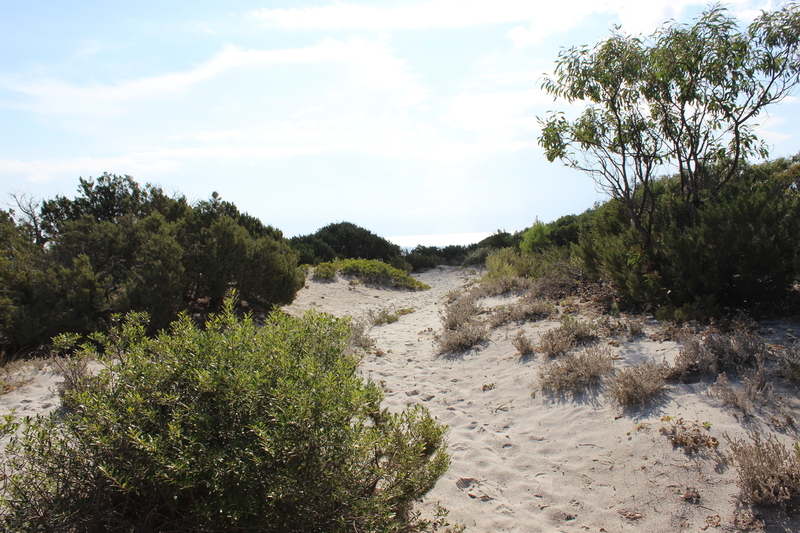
x=234 y=427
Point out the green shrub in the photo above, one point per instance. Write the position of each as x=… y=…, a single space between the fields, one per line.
x=506 y=263
x=234 y=427
x=535 y=238
x=477 y=256
x=381 y=273
x=326 y=271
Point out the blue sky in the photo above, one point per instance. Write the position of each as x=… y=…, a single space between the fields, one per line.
x=404 y=117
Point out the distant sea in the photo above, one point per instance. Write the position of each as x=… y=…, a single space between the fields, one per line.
x=441 y=240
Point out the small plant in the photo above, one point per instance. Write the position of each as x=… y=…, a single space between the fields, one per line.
x=488 y=387
x=523 y=344
x=790 y=358
x=461 y=329
x=568 y=335
x=575 y=373
x=768 y=471
x=637 y=384
x=359 y=336
x=691 y=436
x=754 y=388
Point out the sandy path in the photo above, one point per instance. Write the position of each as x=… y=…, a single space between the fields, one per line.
x=529 y=464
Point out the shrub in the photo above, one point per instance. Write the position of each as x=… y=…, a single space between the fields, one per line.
x=637 y=384
x=506 y=263
x=231 y=427
x=326 y=271
x=477 y=256
x=523 y=344
x=768 y=472
x=568 y=335
x=718 y=352
x=460 y=330
x=754 y=387
x=576 y=372
x=691 y=436
x=791 y=361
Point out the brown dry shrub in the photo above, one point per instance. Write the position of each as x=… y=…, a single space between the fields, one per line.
x=570 y=334
x=524 y=310
x=768 y=471
x=790 y=359
x=753 y=388
x=461 y=330
x=576 y=372
x=462 y=338
x=691 y=436
x=502 y=285
x=718 y=352
x=523 y=344
x=637 y=384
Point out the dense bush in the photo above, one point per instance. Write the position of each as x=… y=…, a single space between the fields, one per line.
x=233 y=427
x=344 y=240
x=735 y=250
x=371 y=271
x=120 y=247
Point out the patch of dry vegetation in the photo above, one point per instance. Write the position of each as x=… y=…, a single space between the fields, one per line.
x=744 y=396
x=570 y=334
x=576 y=372
x=692 y=436
x=461 y=328
x=635 y=385
x=768 y=472
x=523 y=344
x=717 y=352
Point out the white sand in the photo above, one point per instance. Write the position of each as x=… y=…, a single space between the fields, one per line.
x=523 y=463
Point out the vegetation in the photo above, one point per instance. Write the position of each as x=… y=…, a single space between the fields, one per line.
x=769 y=472
x=230 y=427
x=343 y=240
x=576 y=372
x=637 y=384
x=119 y=247
x=371 y=271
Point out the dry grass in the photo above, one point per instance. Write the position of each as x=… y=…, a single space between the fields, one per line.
x=790 y=359
x=524 y=310
x=768 y=472
x=570 y=334
x=637 y=384
x=359 y=336
x=461 y=329
x=718 y=352
x=743 y=396
x=691 y=436
x=523 y=344
x=576 y=372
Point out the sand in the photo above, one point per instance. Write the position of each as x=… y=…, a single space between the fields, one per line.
x=533 y=462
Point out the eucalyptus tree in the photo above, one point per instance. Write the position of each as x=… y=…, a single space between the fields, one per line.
x=683 y=100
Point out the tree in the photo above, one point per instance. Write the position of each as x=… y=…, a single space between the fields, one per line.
x=683 y=99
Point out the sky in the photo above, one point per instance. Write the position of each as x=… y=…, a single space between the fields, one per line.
x=408 y=118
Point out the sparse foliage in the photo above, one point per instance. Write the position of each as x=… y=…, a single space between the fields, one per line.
x=637 y=384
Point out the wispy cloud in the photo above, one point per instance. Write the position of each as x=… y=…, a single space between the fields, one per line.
x=370 y=65
x=538 y=20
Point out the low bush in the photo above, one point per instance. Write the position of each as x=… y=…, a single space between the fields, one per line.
x=790 y=358
x=523 y=344
x=460 y=328
x=768 y=472
x=692 y=436
x=718 y=352
x=571 y=333
x=637 y=384
x=576 y=372
x=753 y=388
x=234 y=427
x=371 y=271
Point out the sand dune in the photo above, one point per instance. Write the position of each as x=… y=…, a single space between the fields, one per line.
x=532 y=462
x=538 y=463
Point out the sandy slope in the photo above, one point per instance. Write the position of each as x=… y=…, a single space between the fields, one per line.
x=536 y=463
x=523 y=463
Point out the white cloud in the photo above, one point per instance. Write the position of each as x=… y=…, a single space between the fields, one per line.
x=369 y=65
x=435 y=13
x=47 y=171
x=536 y=20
